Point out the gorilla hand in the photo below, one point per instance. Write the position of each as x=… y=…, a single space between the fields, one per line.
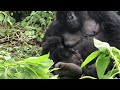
x=68 y=70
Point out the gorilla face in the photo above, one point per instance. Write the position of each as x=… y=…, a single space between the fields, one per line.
x=72 y=21
x=69 y=20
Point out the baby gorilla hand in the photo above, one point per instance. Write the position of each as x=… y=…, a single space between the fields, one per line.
x=68 y=70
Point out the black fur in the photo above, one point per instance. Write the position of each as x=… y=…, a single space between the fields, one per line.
x=73 y=31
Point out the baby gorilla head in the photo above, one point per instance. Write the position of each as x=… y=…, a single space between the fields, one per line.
x=70 y=56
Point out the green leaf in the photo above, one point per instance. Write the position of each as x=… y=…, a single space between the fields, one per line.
x=102 y=46
x=11 y=20
x=29 y=33
x=7 y=57
x=101 y=64
x=116 y=53
x=1 y=17
x=37 y=59
x=30 y=68
x=10 y=61
x=41 y=71
x=2 y=33
x=32 y=60
x=92 y=56
x=23 y=23
x=54 y=77
x=111 y=74
x=54 y=69
x=87 y=77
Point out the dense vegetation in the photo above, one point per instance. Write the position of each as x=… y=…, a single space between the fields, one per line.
x=21 y=33
x=22 y=36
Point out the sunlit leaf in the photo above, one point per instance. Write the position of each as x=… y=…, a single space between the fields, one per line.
x=101 y=64
x=91 y=57
x=102 y=46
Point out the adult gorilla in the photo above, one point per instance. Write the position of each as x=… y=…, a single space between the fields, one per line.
x=70 y=39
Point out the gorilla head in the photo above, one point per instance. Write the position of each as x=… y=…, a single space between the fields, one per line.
x=70 y=20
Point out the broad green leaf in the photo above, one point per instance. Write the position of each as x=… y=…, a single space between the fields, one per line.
x=44 y=57
x=2 y=70
x=30 y=68
x=101 y=64
x=102 y=46
x=91 y=57
x=41 y=71
x=37 y=59
x=11 y=61
x=19 y=75
x=33 y=73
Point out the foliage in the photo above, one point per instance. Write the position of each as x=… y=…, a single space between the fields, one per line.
x=19 y=15
x=6 y=19
x=29 y=68
x=103 y=55
x=37 y=23
x=21 y=33
x=24 y=41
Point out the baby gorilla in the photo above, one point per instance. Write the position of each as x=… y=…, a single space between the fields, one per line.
x=69 y=69
x=68 y=61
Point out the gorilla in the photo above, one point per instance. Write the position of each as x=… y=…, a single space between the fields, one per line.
x=69 y=39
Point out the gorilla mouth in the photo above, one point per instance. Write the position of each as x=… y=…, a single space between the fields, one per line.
x=71 y=44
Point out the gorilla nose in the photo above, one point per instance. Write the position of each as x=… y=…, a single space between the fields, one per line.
x=70 y=15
